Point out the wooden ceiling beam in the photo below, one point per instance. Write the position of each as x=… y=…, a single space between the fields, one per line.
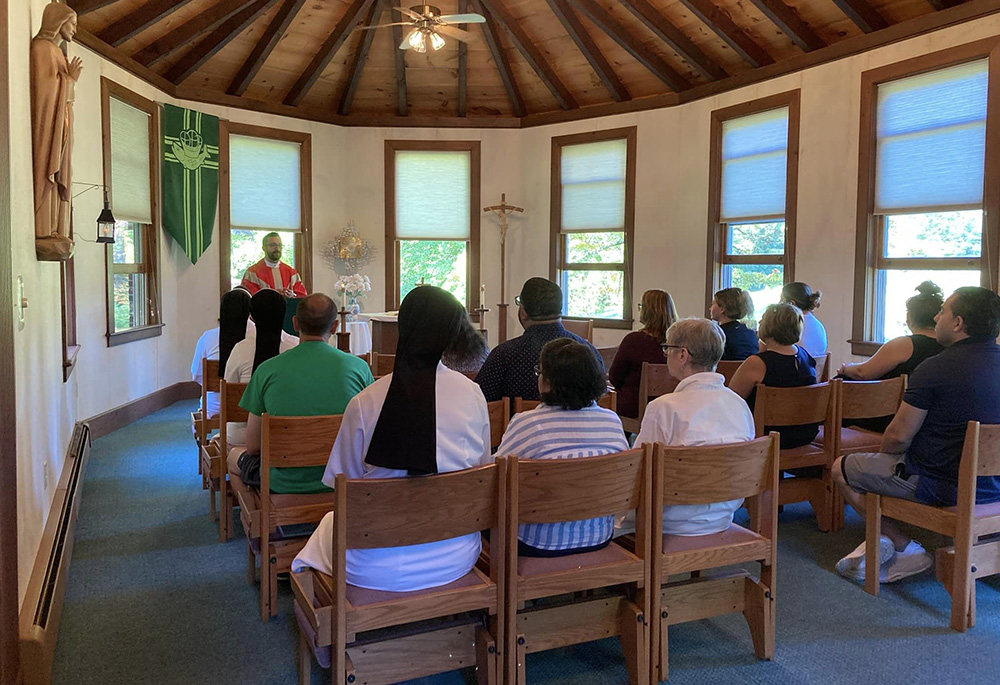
x=631 y=44
x=598 y=62
x=322 y=59
x=262 y=50
x=359 y=59
x=463 y=65
x=532 y=54
x=944 y=4
x=722 y=25
x=675 y=38
x=790 y=23
x=187 y=32
x=500 y=60
x=210 y=45
x=139 y=20
x=399 y=60
x=82 y=7
x=863 y=14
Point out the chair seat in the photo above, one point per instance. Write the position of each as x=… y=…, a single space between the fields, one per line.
x=537 y=566
x=813 y=454
x=859 y=440
x=734 y=545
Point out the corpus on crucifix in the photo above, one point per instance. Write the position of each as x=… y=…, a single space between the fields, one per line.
x=501 y=211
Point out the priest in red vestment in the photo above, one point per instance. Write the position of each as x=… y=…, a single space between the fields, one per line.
x=273 y=273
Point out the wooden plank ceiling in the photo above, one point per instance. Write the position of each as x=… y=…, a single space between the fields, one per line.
x=541 y=60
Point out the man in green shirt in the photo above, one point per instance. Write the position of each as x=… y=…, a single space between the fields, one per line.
x=311 y=379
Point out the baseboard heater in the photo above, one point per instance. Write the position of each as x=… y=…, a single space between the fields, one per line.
x=41 y=610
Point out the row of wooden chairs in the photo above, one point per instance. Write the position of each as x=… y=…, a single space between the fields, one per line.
x=510 y=606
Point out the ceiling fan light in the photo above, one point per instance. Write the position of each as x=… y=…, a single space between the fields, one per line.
x=417 y=41
x=437 y=42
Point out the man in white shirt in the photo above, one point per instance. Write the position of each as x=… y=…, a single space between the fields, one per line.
x=700 y=411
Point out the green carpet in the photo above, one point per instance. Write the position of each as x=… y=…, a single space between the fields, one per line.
x=153 y=597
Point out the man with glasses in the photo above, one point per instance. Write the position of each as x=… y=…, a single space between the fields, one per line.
x=272 y=273
x=510 y=370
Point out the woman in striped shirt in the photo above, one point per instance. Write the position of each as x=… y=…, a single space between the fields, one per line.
x=566 y=425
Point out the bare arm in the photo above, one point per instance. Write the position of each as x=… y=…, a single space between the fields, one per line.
x=904 y=426
x=750 y=373
x=891 y=354
x=253 y=433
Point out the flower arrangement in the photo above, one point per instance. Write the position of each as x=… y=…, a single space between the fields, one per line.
x=354 y=286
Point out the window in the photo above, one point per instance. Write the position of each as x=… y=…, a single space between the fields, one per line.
x=131 y=172
x=754 y=167
x=67 y=290
x=269 y=189
x=592 y=223
x=923 y=172
x=432 y=218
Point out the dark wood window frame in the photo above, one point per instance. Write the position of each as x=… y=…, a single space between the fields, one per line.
x=475 y=205
x=150 y=242
x=557 y=239
x=70 y=344
x=870 y=226
x=303 y=245
x=717 y=229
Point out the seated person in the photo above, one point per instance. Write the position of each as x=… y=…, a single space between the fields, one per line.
x=700 y=411
x=567 y=424
x=509 y=371
x=813 y=337
x=267 y=310
x=783 y=364
x=468 y=350
x=218 y=342
x=421 y=419
x=922 y=447
x=656 y=314
x=728 y=307
x=311 y=379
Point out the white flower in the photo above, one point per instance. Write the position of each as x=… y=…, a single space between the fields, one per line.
x=355 y=285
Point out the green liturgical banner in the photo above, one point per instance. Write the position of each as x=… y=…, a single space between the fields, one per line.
x=190 y=177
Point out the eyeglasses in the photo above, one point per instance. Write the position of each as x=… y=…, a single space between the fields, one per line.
x=538 y=371
x=666 y=347
x=517 y=300
x=639 y=306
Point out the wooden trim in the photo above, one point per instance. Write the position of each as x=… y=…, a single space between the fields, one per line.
x=473 y=147
x=67 y=289
x=588 y=48
x=303 y=243
x=123 y=415
x=869 y=225
x=133 y=334
x=556 y=258
x=265 y=44
x=717 y=256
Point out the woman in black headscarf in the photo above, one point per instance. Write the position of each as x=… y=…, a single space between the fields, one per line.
x=233 y=313
x=423 y=418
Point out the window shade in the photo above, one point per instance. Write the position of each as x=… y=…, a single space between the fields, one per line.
x=433 y=192
x=593 y=185
x=264 y=183
x=754 y=166
x=130 y=196
x=932 y=140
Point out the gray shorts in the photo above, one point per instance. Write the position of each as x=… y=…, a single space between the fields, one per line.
x=879 y=473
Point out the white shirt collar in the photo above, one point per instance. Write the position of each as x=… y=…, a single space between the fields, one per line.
x=271 y=264
x=702 y=378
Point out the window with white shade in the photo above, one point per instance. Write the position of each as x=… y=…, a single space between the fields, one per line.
x=433 y=218
x=268 y=190
x=753 y=169
x=131 y=174
x=593 y=208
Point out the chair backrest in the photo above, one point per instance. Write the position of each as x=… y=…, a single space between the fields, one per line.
x=382 y=364
x=823 y=367
x=392 y=512
x=230 y=410
x=209 y=377
x=290 y=441
x=728 y=369
x=794 y=406
x=714 y=473
x=608 y=400
x=607 y=356
x=870 y=399
x=654 y=381
x=984 y=441
x=366 y=358
x=499 y=418
x=583 y=328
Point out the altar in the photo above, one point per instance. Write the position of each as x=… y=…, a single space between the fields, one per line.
x=384 y=332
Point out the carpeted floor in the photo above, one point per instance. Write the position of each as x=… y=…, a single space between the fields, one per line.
x=153 y=597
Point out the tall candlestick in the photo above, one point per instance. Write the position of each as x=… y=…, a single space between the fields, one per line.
x=344 y=299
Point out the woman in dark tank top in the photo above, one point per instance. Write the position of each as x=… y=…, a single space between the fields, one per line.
x=728 y=307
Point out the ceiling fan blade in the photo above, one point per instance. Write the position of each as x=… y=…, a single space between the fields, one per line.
x=382 y=26
x=457 y=34
x=462 y=19
x=408 y=12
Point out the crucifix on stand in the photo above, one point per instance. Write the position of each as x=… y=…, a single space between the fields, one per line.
x=501 y=211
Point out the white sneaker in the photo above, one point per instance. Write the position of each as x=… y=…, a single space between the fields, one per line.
x=911 y=561
x=853 y=565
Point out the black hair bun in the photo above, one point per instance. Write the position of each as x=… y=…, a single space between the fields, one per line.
x=930 y=289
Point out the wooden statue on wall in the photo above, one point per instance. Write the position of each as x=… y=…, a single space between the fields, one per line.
x=53 y=79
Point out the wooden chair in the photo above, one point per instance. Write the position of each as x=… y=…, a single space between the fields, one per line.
x=654 y=381
x=202 y=422
x=366 y=358
x=797 y=406
x=608 y=400
x=728 y=369
x=823 y=367
x=971 y=556
x=703 y=475
x=607 y=356
x=555 y=490
x=411 y=639
x=382 y=364
x=499 y=418
x=581 y=327
x=286 y=441
x=230 y=411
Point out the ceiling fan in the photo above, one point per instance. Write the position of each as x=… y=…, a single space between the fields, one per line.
x=428 y=25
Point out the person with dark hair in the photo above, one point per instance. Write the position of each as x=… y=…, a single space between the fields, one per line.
x=217 y=343
x=310 y=379
x=509 y=369
x=922 y=447
x=813 y=337
x=729 y=306
x=656 y=314
x=567 y=424
x=271 y=272
x=468 y=349
x=421 y=419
